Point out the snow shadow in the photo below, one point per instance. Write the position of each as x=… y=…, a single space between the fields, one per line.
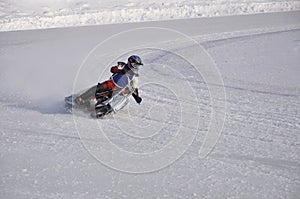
x=50 y=107
x=54 y=106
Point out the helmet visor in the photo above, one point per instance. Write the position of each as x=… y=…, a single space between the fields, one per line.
x=135 y=65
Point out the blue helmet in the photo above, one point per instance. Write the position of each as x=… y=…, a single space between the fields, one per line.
x=135 y=60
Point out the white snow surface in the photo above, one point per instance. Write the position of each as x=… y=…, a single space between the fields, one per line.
x=42 y=154
x=37 y=14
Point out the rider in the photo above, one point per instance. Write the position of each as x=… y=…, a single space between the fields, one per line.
x=122 y=73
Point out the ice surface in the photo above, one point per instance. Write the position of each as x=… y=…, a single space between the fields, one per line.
x=257 y=155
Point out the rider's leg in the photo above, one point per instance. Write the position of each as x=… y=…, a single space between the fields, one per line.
x=105 y=86
x=101 y=88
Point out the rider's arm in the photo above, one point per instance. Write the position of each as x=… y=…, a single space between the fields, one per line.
x=135 y=94
x=118 y=69
x=135 y=82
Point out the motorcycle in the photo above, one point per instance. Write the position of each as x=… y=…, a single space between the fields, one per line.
x=100 y=104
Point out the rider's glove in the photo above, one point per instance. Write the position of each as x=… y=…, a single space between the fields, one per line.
x=137 y=98
x=121 y=64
